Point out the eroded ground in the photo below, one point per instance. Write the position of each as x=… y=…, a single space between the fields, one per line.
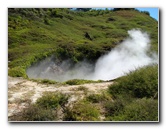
x=21 y=92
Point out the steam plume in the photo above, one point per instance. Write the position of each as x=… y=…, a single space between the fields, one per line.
x=129 y=55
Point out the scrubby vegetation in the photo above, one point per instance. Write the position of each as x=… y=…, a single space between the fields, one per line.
x=46 y=108
x=82 y=111
x=80 y=81
x=36 y=33
x=135 y=96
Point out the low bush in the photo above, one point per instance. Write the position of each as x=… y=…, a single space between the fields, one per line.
x=113 y=107
x=140 y=83
x=46 y=81
x=134 y=96
x=82 y=88
x=46 y=108
x=35 y=113
x=82 y=111
x=51 y=100
x=17 y=72
x=97 y=98
x=139 y=110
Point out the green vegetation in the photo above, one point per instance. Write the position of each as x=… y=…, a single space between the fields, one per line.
x=139 y=110
x=98 y=98
x=80 y=81
x=36 y=33
x=46 y=81
x=139 y=83
x=45 y=108
x=17 y=72
x=35 y=113
x=82 y=111
x=52 y=100
x=135 y=96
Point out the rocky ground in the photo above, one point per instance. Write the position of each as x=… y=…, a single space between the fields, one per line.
x=21 y=92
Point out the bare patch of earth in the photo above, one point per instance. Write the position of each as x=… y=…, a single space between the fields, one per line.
x=21 y=92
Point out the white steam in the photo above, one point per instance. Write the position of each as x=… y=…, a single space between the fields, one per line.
x=129 y=55
x=126 y=57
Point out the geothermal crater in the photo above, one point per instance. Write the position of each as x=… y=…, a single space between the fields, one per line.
x=132 y=53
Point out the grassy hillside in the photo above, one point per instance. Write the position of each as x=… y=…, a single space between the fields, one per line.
x=35 y=33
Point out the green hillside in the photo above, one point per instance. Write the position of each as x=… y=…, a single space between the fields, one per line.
x=36 y=33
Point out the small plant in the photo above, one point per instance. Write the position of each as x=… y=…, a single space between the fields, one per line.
x=46 y=81
x=82 y=88
x=82 y=111
x=51 y=100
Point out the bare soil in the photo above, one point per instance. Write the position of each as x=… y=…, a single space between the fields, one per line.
x=21 y=92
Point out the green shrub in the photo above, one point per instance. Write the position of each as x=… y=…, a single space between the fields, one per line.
x=114 y=107
x=17 y=72
x=82 y=111
x=51 y=100
x=139 y=110
x=82 y=88
x=46 y=81
x=140 y=83
x=35 y=113
x=96 y=98
x=47 y=21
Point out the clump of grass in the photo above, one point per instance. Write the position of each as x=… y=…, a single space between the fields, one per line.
x=80 y=81
x=82 y=111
